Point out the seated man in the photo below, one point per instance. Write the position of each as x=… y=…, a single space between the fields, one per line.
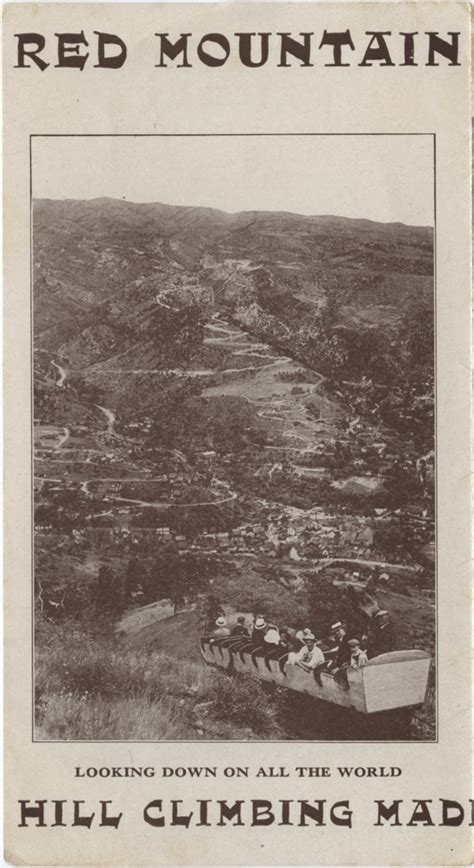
x=259 y=630
x=341 y=654
x=221 y=628
x=381 y=634
x=302 y=634
x=310 y=658
x=240 y=629
x=288 y=639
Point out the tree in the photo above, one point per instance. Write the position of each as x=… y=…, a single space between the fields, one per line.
x=170 y=419
x=109 y=591
x=250 y=592
x=394 y=540
x=401 y=483
x=327 y=604
x=178 y=333
x=210 y=610
x=178 y=577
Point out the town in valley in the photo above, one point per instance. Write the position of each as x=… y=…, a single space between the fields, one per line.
x=233 y=414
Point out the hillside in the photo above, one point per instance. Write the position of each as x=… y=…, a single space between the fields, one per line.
x=92 y=686
x=100 y=266
x=235 y=411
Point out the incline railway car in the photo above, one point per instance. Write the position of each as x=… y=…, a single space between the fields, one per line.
x=393 y=681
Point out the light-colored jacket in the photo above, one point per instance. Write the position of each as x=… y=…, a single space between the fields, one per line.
x=310 y=658
x=359 y=659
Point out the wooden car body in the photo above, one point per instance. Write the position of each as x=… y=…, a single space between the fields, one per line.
x=390 y=681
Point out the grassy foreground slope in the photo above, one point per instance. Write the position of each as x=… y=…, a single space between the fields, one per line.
x=93 y=686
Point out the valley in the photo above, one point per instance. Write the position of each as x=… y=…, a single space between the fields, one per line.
x=243 y=401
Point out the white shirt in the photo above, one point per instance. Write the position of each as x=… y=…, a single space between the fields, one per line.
x=359 y=659
x=272 y=636
x=311 y=658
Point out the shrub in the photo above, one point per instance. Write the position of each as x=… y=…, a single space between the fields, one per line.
x=251 y=593
x=241 y=700
x=327 y=603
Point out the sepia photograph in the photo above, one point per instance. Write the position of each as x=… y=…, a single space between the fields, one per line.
x=233 y=388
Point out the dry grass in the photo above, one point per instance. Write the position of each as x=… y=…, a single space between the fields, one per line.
x=68 y=718
x=91 y=686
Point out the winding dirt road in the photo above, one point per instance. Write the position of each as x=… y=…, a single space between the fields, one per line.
x=62 y=374
x=110 y=416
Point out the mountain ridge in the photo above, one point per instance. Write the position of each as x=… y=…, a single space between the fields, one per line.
x=232 y=214
x=136 y=270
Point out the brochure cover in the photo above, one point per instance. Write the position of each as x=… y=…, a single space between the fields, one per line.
x=237 y=386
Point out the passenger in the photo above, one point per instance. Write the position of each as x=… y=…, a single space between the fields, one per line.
x=358 y=656
x=288 y=639
x=272 y=636
x=381 y=634
x=343 y=651
x=259 y=630
x=302 y=634
x=221 y=629
x=310 y=656
x=239 y=629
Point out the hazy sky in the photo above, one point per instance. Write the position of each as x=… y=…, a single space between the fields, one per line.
x=385 y=178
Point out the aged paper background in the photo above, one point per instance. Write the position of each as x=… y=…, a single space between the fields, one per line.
x=142 y=99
